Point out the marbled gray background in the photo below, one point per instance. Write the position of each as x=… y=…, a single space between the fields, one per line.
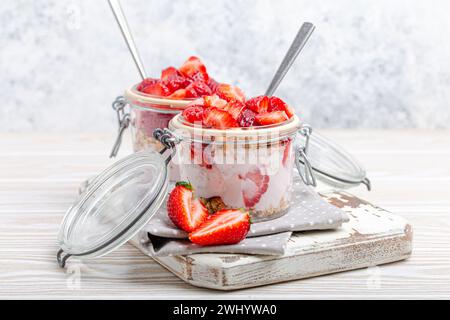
x=373 y=64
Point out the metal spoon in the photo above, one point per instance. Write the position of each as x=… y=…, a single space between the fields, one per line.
x=297 y=45
x=123 y=25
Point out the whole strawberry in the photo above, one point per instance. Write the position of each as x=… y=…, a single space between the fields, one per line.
x=185 y=211
x=227 y=226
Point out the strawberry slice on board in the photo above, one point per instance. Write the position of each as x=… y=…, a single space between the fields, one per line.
x=185 y=212
x=271 y=118
x=254 y=185
x=230 y=93
x=229 y=226
x=218 y=119
x=194 y=68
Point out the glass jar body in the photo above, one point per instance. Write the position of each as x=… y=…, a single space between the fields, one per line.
x=143 y=121
x=252 y=171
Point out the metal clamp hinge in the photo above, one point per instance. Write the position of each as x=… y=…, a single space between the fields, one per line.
x=306 y=172
x=62 y=258
x=123 y=119
x=168 y=139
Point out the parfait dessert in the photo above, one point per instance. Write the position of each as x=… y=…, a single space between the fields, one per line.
x=238 y=150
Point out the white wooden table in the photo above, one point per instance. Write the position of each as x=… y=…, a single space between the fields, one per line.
x=40 y=174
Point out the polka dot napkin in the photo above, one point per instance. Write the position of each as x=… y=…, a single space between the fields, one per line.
x=308 y=212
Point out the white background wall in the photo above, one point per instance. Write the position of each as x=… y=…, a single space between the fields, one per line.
x=383 y=64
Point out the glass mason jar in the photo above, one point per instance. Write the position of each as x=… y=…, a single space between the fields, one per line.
x=147 y=113
x=248 y=168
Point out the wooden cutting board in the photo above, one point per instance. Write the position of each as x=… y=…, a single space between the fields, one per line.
x=373 y=236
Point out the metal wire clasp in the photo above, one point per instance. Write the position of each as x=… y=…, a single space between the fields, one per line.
x=123 y=119
x=168 y=139
x=306 y=173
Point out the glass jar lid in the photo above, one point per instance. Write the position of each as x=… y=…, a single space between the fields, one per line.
x=116 y=205
x=330 y=163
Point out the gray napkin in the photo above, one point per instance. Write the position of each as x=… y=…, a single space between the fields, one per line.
x=308 y=212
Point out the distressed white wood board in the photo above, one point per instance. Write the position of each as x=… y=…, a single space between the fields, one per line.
x=373 y=236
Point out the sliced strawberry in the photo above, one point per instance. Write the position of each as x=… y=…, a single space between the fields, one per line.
x=198 y=89
x=193 y=114
x=179 y=94
x=202 y=155
x=194 y=68
x=230 y=93
x=157 y=89
x=286 y=152
x=255 y=184
x=214 y=101
x=184 y=211
x=146 y=82
x=224 y=227
x=234 y=108
x=271 y=118
x=246 y=118
x=276 y=104
x=200 y=102
x=213 y=84
x=169 y=72
x=258 y=104
x=173 y=79
x=219 y=119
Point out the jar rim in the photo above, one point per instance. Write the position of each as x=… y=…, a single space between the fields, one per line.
x=155 y=102
x=286 y=128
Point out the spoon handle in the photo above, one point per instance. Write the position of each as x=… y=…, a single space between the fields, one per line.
x=297 y=45
x=123 y=25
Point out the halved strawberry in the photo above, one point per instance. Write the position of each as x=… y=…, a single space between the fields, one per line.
x=276 y=104
x=271 y=117
x=193 y=114
x=234 y=108
x=194 y=68
x=219 y=119
x=198 y=89
x=255 y=184
x=230 y=93
x=214 y=101
x=258 y=104
x=227 y=226
x=157 y=89
x=185 y=212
